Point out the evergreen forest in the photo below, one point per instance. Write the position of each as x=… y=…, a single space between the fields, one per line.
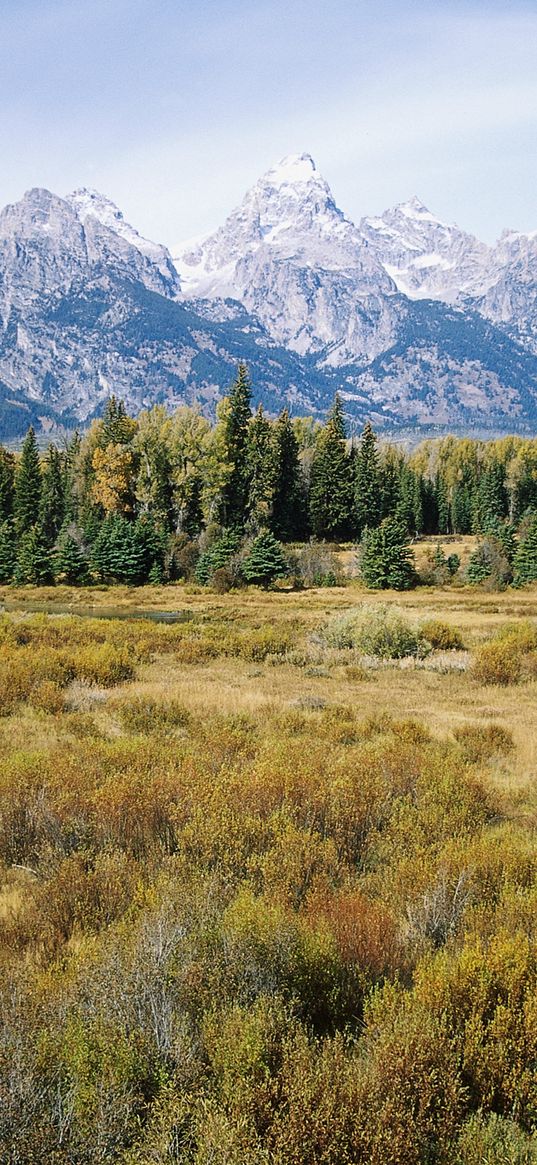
x=171 y=497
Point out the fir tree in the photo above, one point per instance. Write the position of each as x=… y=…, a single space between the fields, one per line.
x=119 y=553
x=34 y=563
x=368 y=485
x=216 y=556
x=261 y=470
x=491 y=497
x=265 y=561
x=27 y=486
x=331 y=490
x=7 y=551
x=70 y=560
x=525 y=560
x=385 y=558
x=234 y=500
x=489 y=564
x=52 y=501
x=289 y=502
x=442 y=504
x=7 y=484
x=117 y=427
x=462 y=508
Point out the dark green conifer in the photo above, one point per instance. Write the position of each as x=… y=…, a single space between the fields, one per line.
x=34 y=560
x=289 y=501
x=385 y=557
x=7 y=552
x=525 y=560
x=234 y=500
x=27 y=486
x=52 y=501
x=331 y=487
x=70 y=560
x=7 y=484
x=265 y=561
x=368 y=484
x=261 y=470
x=118 y=428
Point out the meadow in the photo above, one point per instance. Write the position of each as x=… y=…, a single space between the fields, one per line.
x=268 y=877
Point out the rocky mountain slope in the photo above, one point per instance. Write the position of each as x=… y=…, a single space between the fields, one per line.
x=417 y=322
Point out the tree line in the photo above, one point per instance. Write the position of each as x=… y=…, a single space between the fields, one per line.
x=164 y=497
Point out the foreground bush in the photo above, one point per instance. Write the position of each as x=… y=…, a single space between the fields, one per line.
x=380 y=631
x=508 y=658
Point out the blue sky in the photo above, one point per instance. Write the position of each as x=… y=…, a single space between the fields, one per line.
x=174 y=107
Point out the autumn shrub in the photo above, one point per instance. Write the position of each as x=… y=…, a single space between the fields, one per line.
x=144 y=714
x=494 y=1140
x=104 y=665
x=442 y=636
x=508 y=658
x=481 y=742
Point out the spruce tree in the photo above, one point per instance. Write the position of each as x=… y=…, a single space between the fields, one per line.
x=265 y=561
x=385 y=558
x=368 y=484
x=7 y=484
x=234 y=500
x=119 y=553
x=70 y=560
x=52 y=501
x=261 y=471
x=117 y=428
x=34 y=561
x=7 y=552
x=289 y=501
x=442 y=504
x=525 y=560
x=331 y=488
x=27 y=486
x=216 y=556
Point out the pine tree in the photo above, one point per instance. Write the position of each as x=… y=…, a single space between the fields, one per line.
x=34 y=562
x=442 y=504
x=331 y=489
x=491 y=503
x=385 y=558
x=117 y=427
x=7 y=484
x=368 y=484
x=27 y=486
x=289 y=501
x=70 y=560
x=462 y=508
x=7 y=551
x=265 y=561
x=261 y=471
x=119 y=553
x=525 y=560
x=52 y=501
x=234 y=501
x=489 y=564
x=216 y=556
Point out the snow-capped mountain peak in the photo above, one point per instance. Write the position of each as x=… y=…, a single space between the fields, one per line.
x=88 y=203
x=290 y=255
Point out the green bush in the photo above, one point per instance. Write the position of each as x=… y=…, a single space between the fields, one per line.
x=380 y=631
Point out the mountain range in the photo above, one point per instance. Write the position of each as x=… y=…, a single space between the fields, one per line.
x=417 y=323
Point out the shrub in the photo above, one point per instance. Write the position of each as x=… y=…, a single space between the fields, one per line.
x=316 y=566
x=494 y=1140
x=509 y=657
x=375 y=630
x=442 y=636
x=143 y=714
x=480 y=742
